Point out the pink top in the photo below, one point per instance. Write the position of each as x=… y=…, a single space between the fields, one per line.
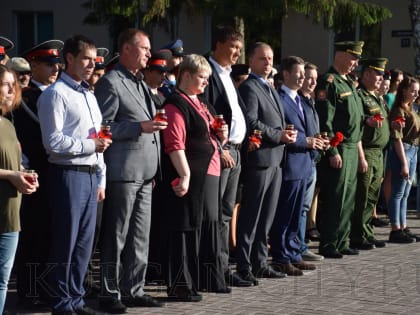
x=174 y=135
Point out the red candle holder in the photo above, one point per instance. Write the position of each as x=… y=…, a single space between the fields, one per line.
x=105 y=132
x=160 y=116
x=256 y=137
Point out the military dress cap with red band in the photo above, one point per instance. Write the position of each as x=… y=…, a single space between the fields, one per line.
x=351 y=47
x=48 y=51
x=159 y=59
x=101 y=53
x=5 y=44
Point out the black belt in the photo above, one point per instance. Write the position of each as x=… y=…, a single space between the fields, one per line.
x=236 y=146
x=79 y=168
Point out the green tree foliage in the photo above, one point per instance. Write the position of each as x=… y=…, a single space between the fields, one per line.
x=262 y=18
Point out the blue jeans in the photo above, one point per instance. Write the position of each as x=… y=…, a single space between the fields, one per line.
x=8 y=245
x=307 y=203
x=400 y=188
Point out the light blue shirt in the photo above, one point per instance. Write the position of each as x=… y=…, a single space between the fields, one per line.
x=70 y=118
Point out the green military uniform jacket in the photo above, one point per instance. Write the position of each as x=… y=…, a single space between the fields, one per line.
x=339 y=107
x=372 y=105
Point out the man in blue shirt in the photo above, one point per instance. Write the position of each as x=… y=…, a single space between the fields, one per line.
x=70 y=120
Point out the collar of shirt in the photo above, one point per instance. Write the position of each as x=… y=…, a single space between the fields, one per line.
x=292 y=94
x=40 y=86
x=80 y=87
x=260 y=78
x=128 y=74
x=219 y=68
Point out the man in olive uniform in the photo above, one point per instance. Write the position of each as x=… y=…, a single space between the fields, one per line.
x=371 y=163
x=340 y=110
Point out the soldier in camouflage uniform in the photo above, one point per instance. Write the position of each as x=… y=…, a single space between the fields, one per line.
x=340 y=110
x=371 y=161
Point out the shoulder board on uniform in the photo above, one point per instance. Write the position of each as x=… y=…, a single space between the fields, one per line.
x=341 y=95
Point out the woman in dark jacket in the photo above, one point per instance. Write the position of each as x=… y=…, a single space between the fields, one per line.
x=191 y=178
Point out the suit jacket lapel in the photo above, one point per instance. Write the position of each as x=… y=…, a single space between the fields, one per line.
x=291 y=103
x=137 y=96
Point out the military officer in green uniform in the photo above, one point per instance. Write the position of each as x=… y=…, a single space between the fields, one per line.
x=340 y=110
x=375 y=137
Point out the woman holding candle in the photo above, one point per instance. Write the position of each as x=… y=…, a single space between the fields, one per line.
x=403 y=158
x=192 y=167
x=12 y=181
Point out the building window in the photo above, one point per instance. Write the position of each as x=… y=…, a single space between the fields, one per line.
x=33 y=28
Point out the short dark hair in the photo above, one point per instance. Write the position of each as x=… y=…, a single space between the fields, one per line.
x=255 y=46
x=127 y=36
x=221 y=34
x=310 y=66
x=75 y=44
x=287 y=64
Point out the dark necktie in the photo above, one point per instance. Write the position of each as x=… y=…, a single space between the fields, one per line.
x=299 y=104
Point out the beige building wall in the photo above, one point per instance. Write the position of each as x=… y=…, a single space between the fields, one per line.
x=401 y=57
x=301 y=37
x=314 y=43
x=68 y=17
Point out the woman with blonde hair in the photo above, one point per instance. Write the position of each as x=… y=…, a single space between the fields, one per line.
x=191 y=177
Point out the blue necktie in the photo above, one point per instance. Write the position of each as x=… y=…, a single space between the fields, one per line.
x=299 y=104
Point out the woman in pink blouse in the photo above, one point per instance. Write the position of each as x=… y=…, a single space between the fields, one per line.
x=191 y=168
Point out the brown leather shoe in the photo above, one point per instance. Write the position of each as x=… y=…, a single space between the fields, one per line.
x=303 y=265
x=288 y=269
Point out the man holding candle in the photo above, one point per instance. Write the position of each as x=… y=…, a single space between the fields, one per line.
x=375 y=137
x=297 y=168
x=132 y=163
x=340 y=110
x=263 y=172
x=222 y=94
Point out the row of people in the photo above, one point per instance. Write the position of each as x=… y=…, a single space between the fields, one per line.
x=277 y=175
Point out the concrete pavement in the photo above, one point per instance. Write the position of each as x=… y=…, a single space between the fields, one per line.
x=379 y=281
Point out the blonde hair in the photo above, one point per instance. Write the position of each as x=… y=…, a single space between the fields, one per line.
x=18 y=91
x=192 y=64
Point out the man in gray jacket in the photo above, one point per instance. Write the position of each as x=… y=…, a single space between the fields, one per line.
x=132 y=164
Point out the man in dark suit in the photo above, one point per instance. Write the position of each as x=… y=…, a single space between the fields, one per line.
x=131 y=166
x=34 y=245
x=222 y=94
x=263 y=171
x=285 y=250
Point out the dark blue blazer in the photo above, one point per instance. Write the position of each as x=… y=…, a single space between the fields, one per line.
x=216 y=95
x=298 y=162
x=312 y=122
